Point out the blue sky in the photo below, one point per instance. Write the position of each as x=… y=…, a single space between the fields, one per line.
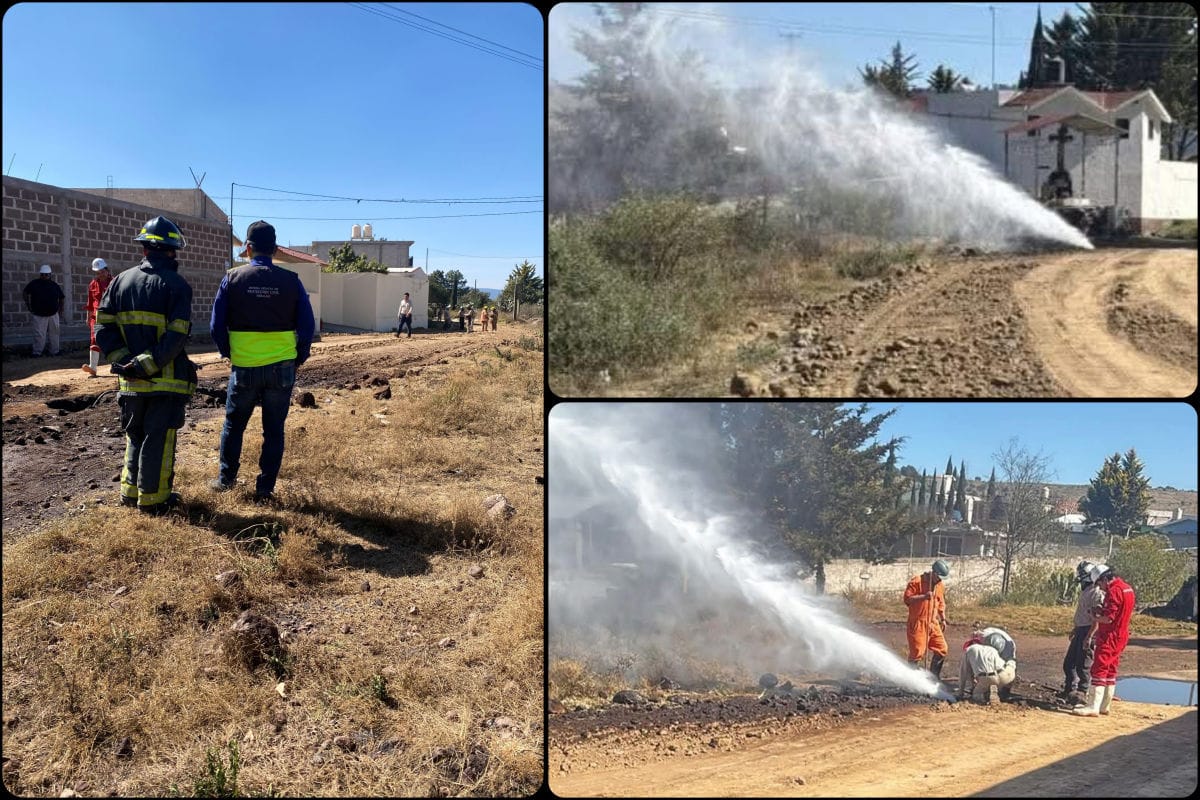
x=1077 y=437
x=324 y=98
x=840 y=37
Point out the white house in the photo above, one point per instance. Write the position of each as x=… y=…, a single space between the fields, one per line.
x=1075 y=522
x=370 y=300
x=1110 y=144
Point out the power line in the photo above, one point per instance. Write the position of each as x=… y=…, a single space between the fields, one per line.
x=1137 y=16
x=447 y=202
x=464 y=33
x=520 y=197
x=436 y=32
x=359 y=218
x=881 y=32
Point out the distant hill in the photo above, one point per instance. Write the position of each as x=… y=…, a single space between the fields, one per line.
x=1162 y=498
x=492 y=293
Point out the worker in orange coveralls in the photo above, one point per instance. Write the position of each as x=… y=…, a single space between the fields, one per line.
x=925 y=597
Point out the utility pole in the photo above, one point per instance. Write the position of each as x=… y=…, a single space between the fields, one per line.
x=791 y=37
x=993 y=10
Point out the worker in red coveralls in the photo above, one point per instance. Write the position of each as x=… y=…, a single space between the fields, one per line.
x=95 y=293
x=1111 y=632
x=925 y=597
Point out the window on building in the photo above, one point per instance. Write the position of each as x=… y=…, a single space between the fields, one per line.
x=1152 y=129
x=1123 y=124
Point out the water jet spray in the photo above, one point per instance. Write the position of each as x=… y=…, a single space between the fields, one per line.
x=698 y=528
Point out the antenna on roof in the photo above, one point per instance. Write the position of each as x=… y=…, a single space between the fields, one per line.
x=200 y=200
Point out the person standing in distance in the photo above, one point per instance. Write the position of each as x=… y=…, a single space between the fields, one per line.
x=262 y=321
x=405 y=316
x=142 y=325
x=44 y=300
x=95 y=293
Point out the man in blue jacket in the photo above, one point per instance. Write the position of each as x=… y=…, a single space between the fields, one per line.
x=262 y=322
x=142 y=324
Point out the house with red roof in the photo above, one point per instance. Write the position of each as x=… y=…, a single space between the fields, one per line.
x=1108 y=143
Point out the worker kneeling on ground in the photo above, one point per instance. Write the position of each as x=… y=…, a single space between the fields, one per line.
x=925 y=597
x=985 y=673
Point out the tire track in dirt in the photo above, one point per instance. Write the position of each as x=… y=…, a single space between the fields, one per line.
x=950 y=328
x=918 y=753
x=954 y=333
x=1065 y=301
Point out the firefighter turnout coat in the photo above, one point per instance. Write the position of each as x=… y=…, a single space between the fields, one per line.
x=146 y=315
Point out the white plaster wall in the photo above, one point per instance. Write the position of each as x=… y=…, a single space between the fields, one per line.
x=359 y=301
x=370 y=301
x=1171 y=188
x=331 y=298
x=310 y=276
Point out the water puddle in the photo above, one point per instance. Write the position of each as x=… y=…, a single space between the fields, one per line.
x=1157 y=690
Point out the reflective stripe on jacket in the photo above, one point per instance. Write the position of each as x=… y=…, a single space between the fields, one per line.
x=146 y=314
x=262 y=315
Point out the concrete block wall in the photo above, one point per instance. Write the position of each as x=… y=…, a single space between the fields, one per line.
x=66 y=229
x=970 y=576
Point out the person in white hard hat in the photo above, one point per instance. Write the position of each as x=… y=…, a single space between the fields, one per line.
x=95 y=292
x=44 y=300
x=984 y=673
x=1077 y=664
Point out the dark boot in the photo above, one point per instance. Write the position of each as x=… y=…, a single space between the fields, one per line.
x=935 y=665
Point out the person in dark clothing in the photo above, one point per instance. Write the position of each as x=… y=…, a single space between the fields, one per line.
x=1077 y=664
x=262 y=321
x=44 y=300
x=142 y=324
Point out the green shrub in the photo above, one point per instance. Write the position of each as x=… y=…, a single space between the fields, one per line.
x=1154 y=572
x=867 y=264
x=1179 y=229
x=659 y=237
x=623 y=296
x=1035 y=584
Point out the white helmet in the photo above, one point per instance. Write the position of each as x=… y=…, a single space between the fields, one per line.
x=98 y=264
x=1097 y=571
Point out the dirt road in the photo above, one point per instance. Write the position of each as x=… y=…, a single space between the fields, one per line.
x=935 y=751
x=62 y=440
x=848 y=740
x=1103 y=323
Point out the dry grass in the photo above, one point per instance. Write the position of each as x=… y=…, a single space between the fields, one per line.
x=383 y=492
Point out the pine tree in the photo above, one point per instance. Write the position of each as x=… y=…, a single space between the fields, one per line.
x=990 y=495
x=944 y=79
x=921 y=501
x=960 y=496
x=813 y=468
x=894 y=76
x=1119 y=496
